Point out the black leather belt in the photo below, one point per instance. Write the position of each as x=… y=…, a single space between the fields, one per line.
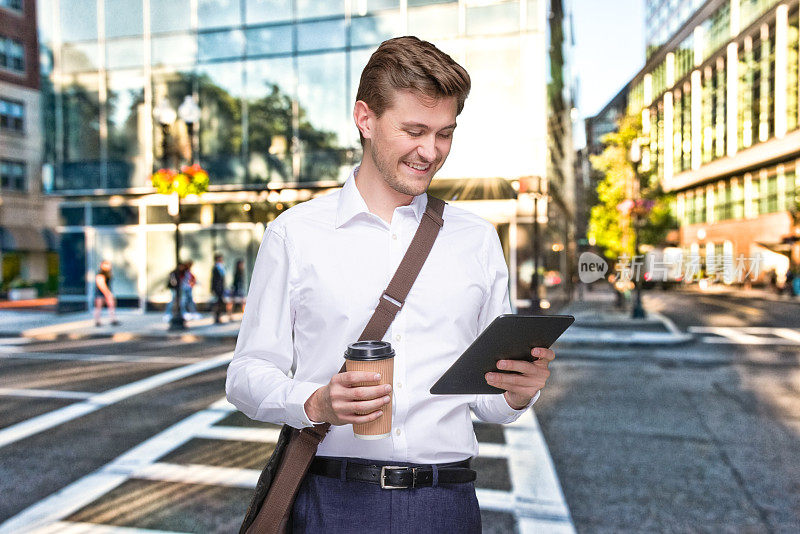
x=392 y=476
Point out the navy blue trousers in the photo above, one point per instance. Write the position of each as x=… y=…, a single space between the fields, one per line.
x=337 y=506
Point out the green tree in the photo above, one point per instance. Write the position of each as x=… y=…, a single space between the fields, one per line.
x=609 y=226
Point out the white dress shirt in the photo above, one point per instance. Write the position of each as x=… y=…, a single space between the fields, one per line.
x=320 y=270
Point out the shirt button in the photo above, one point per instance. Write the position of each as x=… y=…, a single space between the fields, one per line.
x=397 y=337
x=394 y=236
x=399 y=385
x=397 y=431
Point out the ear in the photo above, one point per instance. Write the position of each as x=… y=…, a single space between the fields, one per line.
x=364 y=118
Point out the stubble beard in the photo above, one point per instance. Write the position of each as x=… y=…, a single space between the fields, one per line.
x=390 y=175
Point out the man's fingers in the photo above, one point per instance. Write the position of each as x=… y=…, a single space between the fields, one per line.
x=358 y=419
x=365 y=407
x=543 y=354
x=351 y=378
x=362 y=393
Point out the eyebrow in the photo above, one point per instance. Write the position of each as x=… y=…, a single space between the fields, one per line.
x=424 y=126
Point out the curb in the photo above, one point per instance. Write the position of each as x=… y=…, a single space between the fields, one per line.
x=601 y=333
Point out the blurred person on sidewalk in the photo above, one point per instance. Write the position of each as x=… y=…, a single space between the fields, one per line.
x=174 y=278
x=320 y=271
x=103 y=294
x=218 y=288
x=189 y=281
x=237 y=297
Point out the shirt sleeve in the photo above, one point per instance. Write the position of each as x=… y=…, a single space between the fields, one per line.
x=493 y=408
x=258 y=381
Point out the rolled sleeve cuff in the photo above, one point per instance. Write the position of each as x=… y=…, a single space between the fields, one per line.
x=512 y=411
x=295 y=404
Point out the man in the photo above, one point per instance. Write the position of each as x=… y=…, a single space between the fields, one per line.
x=319 y=273
x=218 y=287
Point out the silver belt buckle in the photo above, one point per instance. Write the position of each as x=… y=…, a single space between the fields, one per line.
x=384 y=485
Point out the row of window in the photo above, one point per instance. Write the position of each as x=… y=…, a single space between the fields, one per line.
x=124 y=18
x=206 y=214
x=183 y=48
x=771 y=191
x=13 y=175
x=16 y=5
x=12 y=54
x=12 y=116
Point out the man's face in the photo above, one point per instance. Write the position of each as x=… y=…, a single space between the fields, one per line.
x=411 y=140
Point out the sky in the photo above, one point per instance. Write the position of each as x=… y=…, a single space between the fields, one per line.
x=609 y=50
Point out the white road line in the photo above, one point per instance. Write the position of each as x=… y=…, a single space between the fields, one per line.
x=95 y=402
x=745 y=335
x=20 y=353
x=788 y=333
x=238 y=433
x=93 y=486
x=45 y=393
x=208 y=475
x=69 y=527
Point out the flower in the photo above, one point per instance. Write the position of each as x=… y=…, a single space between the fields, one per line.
x=191 y=180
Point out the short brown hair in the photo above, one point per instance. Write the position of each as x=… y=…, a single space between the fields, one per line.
x=411 y=63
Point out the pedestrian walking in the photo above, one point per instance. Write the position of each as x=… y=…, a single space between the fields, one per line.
x=188 y=283
x=237 y=297
x=103 y=294
x=218 y=288
x=320 y=271
x=175 y=278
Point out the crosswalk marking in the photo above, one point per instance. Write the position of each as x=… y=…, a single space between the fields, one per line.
x=747 y=335
x=97 y=401
x=536 y=500
x=69 y=527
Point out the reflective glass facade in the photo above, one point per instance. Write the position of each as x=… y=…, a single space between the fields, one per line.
x=275 y=81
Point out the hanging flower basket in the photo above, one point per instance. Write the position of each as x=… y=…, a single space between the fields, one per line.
x=191 y=180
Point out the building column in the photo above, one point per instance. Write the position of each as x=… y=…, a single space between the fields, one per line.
x=669 y=118
x=781 y=67
x=732 y=97
x=749 y=212
x=697 y=127
x=735 y=17
x=710 y=203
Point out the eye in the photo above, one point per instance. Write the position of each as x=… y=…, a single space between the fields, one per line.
x=446 y=136
x=414 y=133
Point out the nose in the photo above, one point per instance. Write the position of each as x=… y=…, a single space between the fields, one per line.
x=427 y=147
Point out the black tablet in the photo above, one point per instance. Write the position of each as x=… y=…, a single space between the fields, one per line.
x=509 y=337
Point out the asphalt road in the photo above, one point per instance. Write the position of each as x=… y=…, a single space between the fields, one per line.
x=702 y=437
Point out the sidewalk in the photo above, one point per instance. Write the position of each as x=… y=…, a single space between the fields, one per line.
x=599 y=321
x=764 y=293
x=134 y=324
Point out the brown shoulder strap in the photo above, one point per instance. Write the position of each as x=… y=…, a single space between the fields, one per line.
x=392 y=300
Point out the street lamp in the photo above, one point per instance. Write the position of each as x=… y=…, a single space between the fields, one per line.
x=637 y=210
x=165 y=115
x=189 y=112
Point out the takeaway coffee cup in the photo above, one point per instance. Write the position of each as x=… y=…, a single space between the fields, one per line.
x=376 y=357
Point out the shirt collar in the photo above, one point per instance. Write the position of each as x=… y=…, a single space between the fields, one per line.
x=351 y=203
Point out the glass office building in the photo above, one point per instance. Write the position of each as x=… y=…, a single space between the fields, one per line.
x=275 y=81
x=721 y=108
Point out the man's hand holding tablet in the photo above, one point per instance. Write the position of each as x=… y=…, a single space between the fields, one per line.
x=520 y=388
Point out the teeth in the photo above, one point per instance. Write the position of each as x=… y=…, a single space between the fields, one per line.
x=417 y=166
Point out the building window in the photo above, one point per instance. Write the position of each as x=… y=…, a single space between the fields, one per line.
x=11 y=4
x=13 y=175
x=12 y=116
x=12 y=54
x=792 y=78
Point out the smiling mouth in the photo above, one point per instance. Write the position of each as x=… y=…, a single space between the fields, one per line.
x=419 y=167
